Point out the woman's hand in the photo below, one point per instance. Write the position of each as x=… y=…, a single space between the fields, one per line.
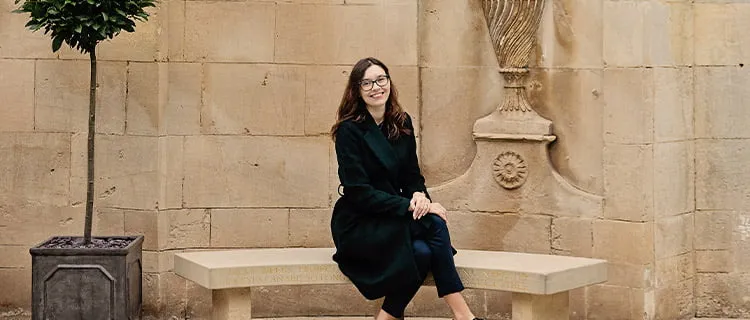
x=419 y=205
x=439 y=210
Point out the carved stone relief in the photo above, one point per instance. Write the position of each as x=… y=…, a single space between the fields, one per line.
x=510 y=170
x=512 y=141
x=512 y=25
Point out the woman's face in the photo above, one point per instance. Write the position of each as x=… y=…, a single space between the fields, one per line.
x=375 y=86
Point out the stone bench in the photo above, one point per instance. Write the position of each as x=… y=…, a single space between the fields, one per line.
x=539 y=283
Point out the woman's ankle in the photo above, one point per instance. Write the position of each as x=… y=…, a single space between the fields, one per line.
x=467 y=316
x=458 y=306
x=383 y=315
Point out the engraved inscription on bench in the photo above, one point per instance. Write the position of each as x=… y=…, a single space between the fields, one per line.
x=279 y=275
x=496 y=279
x=329 y=274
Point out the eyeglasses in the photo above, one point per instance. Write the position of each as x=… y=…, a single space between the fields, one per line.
x=368 y=84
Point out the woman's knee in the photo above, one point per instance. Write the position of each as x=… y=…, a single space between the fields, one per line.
x=422 y=253
x=437 y=223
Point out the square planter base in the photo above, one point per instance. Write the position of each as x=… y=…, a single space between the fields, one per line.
x=87 y=283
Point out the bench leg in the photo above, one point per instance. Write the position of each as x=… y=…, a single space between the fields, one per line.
x=540 y=307
x=231 y=304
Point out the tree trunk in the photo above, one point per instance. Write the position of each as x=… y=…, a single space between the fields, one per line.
x=90 y=152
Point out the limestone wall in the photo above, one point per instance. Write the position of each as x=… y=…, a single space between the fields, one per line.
x=722 y=147
x=212 y=127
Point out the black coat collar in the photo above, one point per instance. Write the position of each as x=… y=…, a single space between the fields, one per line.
x=379 y=144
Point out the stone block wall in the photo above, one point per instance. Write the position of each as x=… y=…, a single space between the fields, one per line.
x=212 y=134
x=722 y=241
x=616 y=78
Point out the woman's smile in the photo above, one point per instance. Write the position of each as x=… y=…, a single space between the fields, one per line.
x=377 y=95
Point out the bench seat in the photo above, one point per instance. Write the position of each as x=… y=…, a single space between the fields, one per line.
x=540 y=283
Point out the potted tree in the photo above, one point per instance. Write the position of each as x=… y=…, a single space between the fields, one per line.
x=81 y=277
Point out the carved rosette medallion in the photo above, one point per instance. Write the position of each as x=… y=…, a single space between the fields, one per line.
x=510 y=170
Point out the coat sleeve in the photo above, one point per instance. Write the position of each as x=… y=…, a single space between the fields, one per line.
x=356 y=181
x=412 y=179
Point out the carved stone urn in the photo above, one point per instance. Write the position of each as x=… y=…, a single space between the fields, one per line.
x=512 y=26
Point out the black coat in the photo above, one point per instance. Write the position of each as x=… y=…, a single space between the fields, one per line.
x=370 y=222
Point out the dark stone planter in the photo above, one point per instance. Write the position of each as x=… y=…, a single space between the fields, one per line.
x=87 y=283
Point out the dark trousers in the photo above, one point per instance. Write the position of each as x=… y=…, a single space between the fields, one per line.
x=432 y=252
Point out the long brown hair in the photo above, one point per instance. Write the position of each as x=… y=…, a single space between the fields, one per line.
x=353 y=107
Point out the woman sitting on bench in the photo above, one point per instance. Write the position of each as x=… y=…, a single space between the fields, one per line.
x=388 y=234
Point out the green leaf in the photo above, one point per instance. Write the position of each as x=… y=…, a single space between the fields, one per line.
x=104 y=15
x=57 y=43
x=78 y=29
x=35 y=27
